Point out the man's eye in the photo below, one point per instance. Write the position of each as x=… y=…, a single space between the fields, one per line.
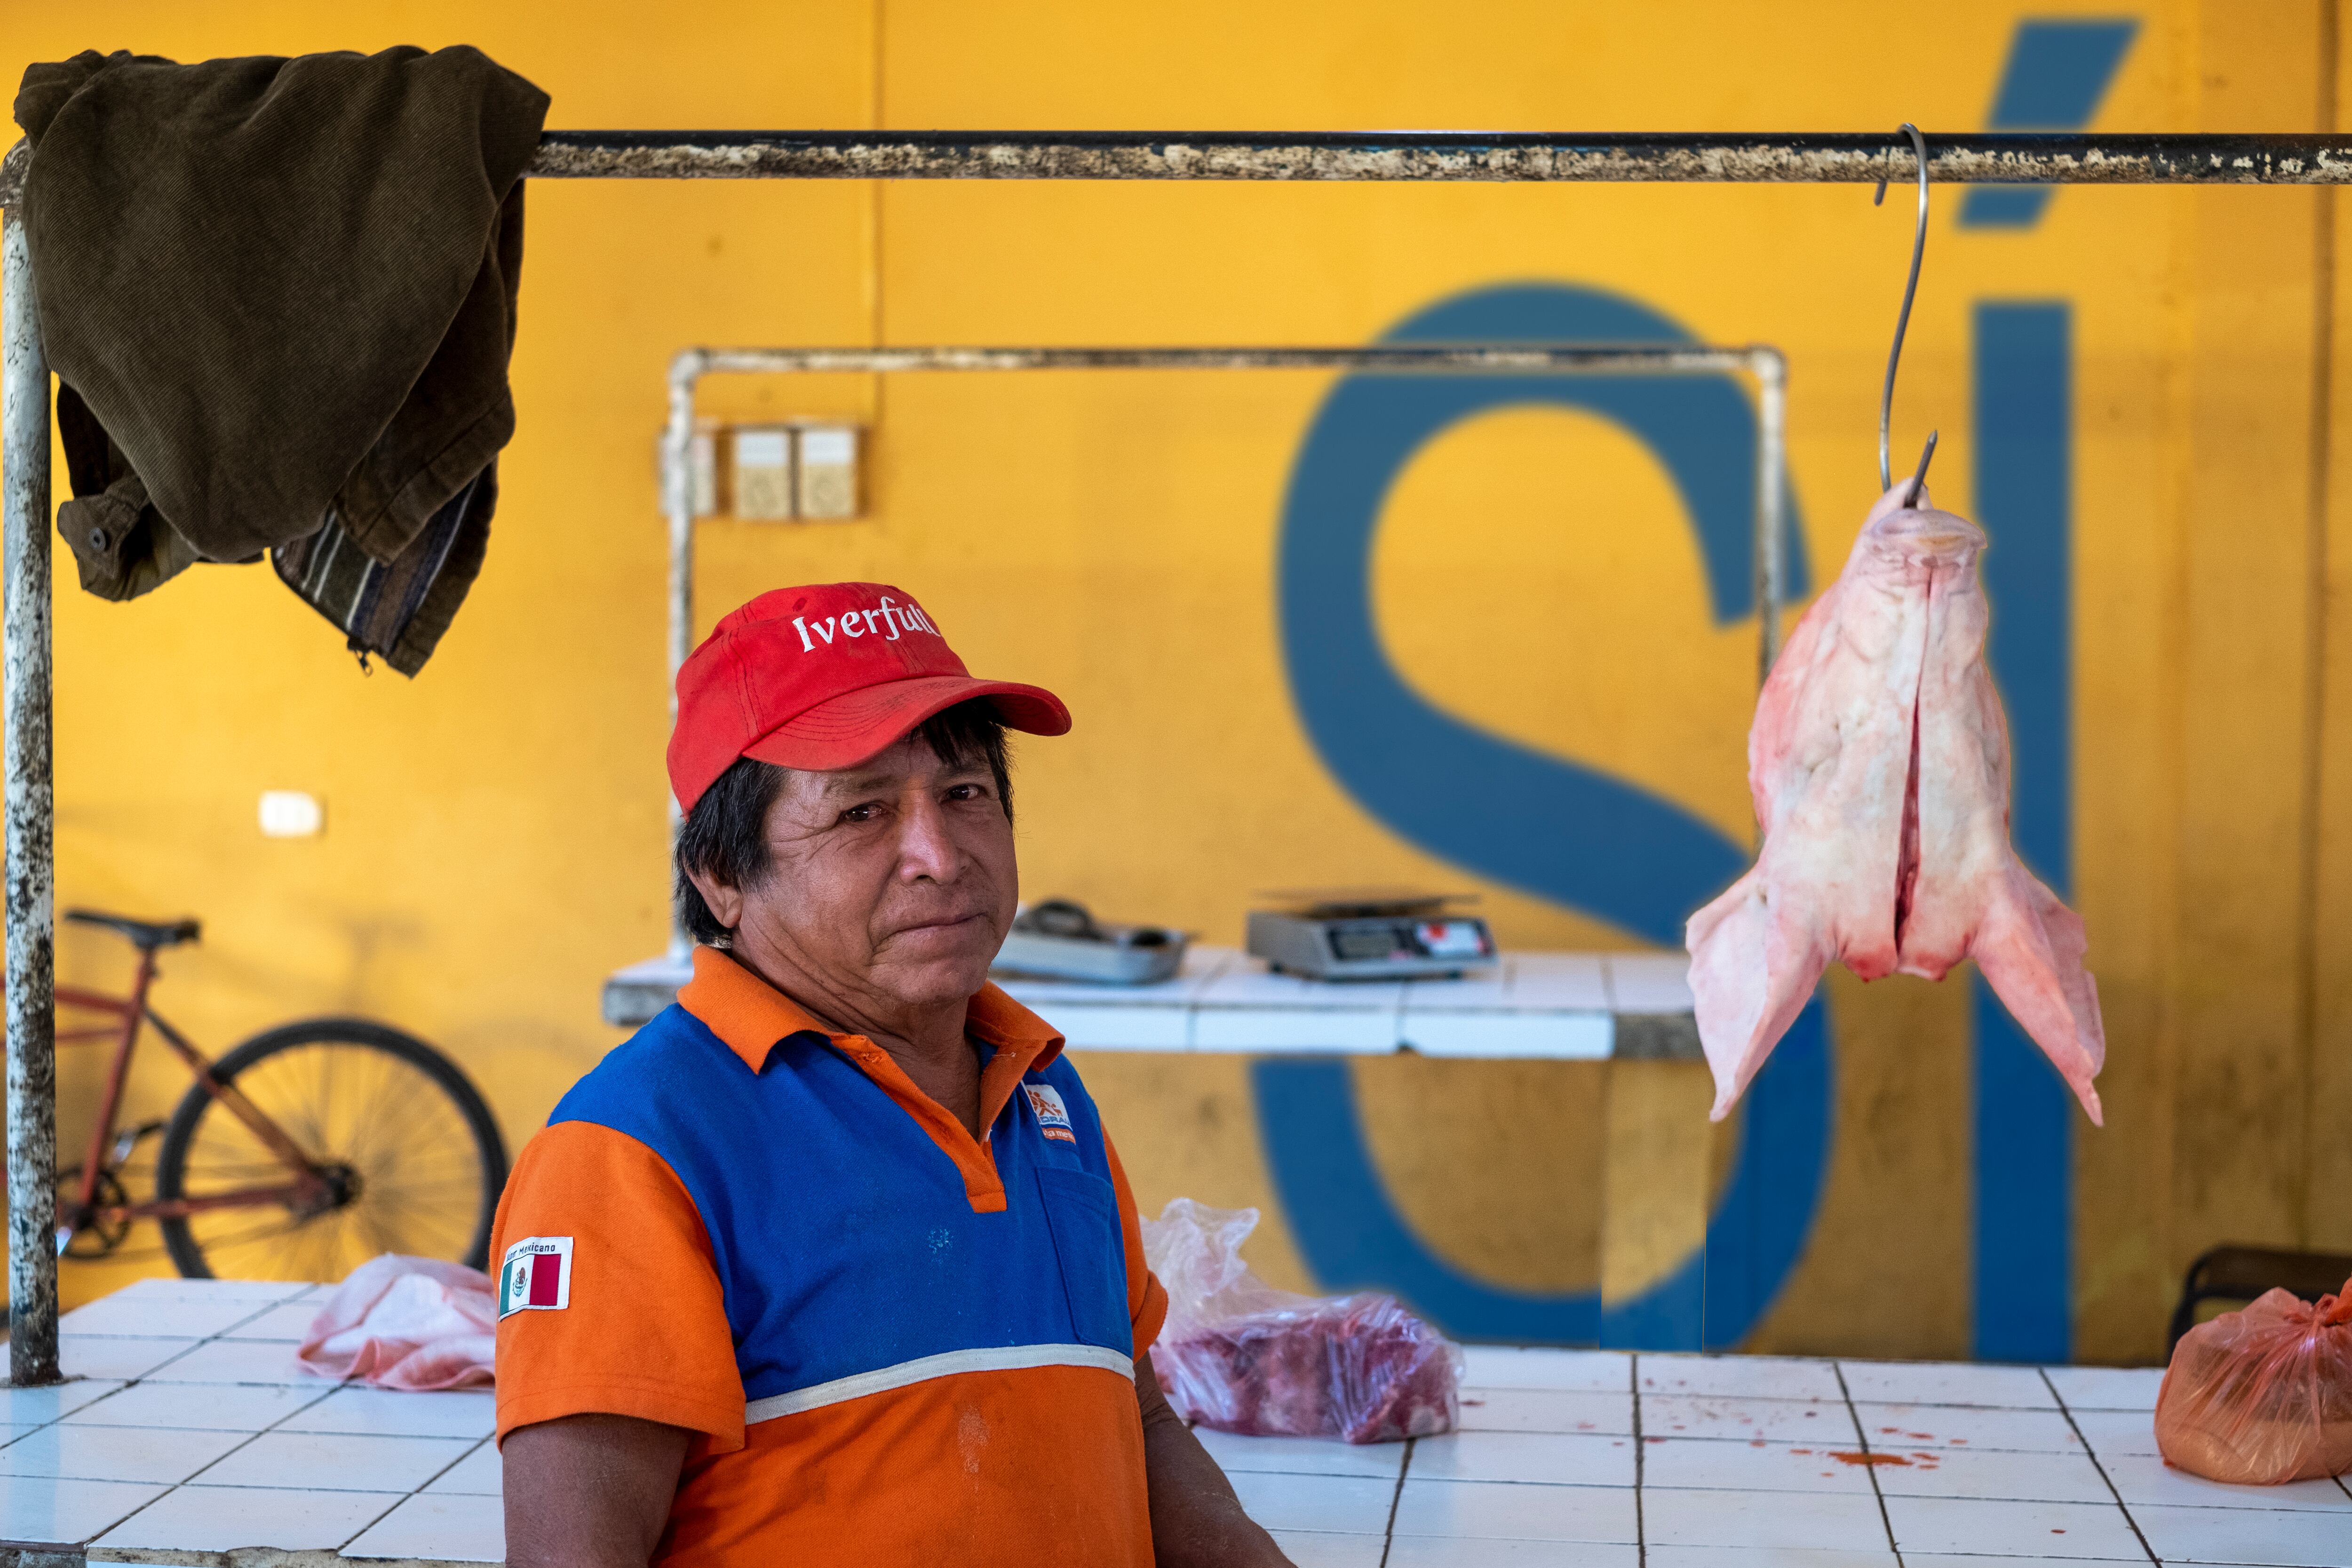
x=968 y=792
x=860 y=813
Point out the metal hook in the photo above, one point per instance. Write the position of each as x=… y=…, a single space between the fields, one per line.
x=1903 y=322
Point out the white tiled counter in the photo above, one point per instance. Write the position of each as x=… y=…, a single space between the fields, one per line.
x=1574 y=1006
x=189 y=1436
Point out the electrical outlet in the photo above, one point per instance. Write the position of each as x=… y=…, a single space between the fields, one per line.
x=828 y=471
x=762 y=472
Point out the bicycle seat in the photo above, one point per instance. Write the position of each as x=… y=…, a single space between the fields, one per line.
x=144 y=935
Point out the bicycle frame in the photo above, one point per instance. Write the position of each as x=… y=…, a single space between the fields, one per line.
x=308 y=1187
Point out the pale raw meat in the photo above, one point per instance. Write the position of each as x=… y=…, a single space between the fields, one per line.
x=413 y=1323
x=1879 y=764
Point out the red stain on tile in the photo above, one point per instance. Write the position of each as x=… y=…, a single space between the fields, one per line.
x=1846 y=1456
x=1757 y=1443
x=1800 y=1450
x=1921 y=1436
x=1584 y=1426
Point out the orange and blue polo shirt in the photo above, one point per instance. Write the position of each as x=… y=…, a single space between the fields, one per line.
x=894 y=1342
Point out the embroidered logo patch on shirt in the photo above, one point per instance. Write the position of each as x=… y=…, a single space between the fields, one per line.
x=1052 y=1116
x=536 y=1276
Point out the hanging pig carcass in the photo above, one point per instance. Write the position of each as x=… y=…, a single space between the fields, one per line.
x=1879 y=763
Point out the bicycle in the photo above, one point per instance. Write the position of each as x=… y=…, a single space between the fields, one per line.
x=304 y=1151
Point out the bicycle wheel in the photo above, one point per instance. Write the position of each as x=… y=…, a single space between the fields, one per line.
x=414 y=1160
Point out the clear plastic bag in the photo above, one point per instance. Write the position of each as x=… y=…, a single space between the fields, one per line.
x=2262 y=1397
x=1241 y=1356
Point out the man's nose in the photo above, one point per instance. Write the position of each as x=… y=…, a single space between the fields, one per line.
x=926 y=847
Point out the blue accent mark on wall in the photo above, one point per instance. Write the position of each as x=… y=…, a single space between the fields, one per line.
x=1559 y=830
x=1351 y=1237
x=2025 y=1113
x=2058 y=71
x=1533 y=821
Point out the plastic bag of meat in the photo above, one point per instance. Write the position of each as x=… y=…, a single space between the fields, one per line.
x=1879 y=766
x=1241 y=1356
x=412 y=1324
x=2262 y=1397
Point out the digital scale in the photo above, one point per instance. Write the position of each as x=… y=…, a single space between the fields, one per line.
x=1370 y=933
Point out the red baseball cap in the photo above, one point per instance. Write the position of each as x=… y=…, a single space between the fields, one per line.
x=824 y=676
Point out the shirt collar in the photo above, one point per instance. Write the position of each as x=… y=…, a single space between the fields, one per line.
x=753 y=1017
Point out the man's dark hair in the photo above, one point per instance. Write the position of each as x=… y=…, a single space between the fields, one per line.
x=725 y=837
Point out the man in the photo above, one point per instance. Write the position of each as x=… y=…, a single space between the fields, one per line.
x=833 y=1262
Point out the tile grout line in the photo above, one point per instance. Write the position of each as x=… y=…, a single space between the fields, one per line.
x=1641 y=1529
x=1388 y=1531
x=1886 y=1519
x=2068 y=1412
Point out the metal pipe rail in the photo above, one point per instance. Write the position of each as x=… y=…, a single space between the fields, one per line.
x=1864 y=158
x=24 y=672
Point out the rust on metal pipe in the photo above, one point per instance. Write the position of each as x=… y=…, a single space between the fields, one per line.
x=1972 y=158
x=25 y=695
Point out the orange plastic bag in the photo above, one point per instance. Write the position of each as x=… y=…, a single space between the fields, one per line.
x=2262 y=1397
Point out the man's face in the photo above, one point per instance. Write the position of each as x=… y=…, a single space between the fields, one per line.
x=893 y=882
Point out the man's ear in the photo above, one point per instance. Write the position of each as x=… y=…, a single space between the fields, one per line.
x=725 y=902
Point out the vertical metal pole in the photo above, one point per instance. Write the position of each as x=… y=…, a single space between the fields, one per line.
x=1771 y=515
x=677 y=501
x=24 y=694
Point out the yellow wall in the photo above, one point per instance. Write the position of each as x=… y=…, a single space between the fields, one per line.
x=495 y=834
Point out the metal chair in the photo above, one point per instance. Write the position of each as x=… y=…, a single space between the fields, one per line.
x=2239 y=1274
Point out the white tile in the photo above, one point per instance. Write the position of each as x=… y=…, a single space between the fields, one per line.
x=224 y=1518
x=1907 y=1427
x=1731 y=1466
x=336 y=1462
x=1300 y=1456
x=1748 y=1376
x=33 y=1407
x=2005 y=1528
x=2284 y=1539
x=118 y=1359
x=2146 y=1479
x=2110 y=1433
x=2107 y=1387
x=1779 y=1557
x=1504 y=1511
x=1352 y=1504
x=1568 y=982
x=1530 y=1036
x=1318 y=1548
x=1438 y=1552
x=239 y=1361
x=258 y=1292
x=479 y=1474
x=1992 y=1473
x=1649 y=981
x=115 y=1453
x=439 y=1530
x=1946 y=1383
x=1513 y=1366
x=289 y=1323
x=211 y=1406
x=1822 y=1426
x=1971 y=1560
x=380 y=1412
x=154 y=1317
x=44 y=1508
x=1839 y=1521
x=1545 y=1410
x=1581 y=1459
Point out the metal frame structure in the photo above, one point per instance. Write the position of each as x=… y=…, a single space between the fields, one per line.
x=1766 y=365
x=25 y=436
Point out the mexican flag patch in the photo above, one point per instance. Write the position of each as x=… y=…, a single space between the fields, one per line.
x=536 y=1276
